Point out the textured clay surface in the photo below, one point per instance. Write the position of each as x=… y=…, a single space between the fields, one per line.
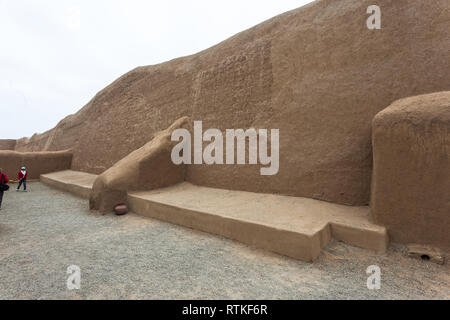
x=7 y=144
x=76 y=182
x=147 y=168
x=411 y=180
x=317 y=73
x=37 y=163
x=292 y=226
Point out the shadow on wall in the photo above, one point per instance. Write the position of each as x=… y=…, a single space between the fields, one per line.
x=37 y=163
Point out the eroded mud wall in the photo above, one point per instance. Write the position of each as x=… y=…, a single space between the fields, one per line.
x=37 y=163
x=316 y=73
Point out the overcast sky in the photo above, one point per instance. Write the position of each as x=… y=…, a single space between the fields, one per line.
x=56 y=55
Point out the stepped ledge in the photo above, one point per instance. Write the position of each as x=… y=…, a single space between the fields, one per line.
x=292 y=226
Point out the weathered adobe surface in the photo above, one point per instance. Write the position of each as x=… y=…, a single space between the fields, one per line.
x=147 y=168
x=316 y=73
x=7 y=144
x=37 y=163
x=411 y=178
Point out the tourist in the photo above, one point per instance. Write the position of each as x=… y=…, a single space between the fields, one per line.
x=3 y=185
x=22 y=175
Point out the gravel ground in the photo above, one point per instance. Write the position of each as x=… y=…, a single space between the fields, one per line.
x=44 y=231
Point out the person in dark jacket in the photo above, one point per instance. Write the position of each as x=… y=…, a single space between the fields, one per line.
x=3 y=181
x=22 y=176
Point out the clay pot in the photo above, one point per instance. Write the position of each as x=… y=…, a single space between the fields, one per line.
x=121 y=209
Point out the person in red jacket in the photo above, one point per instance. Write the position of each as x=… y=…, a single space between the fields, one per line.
x=22 y=176
x=3 y=181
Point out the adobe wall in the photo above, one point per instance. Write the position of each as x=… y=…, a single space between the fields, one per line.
x=7 y=144
x=411 y=175
x=316 y=73
x=37 y=163
x=146 y=168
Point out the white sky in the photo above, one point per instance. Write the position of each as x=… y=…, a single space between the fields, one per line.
x=56 y=55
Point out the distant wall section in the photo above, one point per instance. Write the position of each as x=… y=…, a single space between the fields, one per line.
x=7 y=144
x=37 y=163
